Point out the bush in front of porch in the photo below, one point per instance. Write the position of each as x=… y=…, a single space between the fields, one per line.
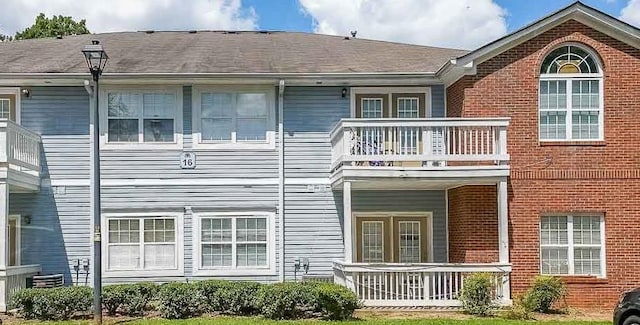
x=477 y=295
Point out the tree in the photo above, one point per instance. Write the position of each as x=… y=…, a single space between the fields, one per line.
x=55 y=26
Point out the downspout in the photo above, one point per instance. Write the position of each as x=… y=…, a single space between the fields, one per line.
x=281 y=177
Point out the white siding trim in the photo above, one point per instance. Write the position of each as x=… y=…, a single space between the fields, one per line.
x=271 y=245
x=116 y=182
x=179 y=224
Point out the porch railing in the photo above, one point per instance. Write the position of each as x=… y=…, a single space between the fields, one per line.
x=432 y=141
x=19 y=147
x=411 y=285
x=14 y=279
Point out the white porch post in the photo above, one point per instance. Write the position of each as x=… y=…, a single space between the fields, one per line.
x=4 y=252
x=503 y=235
x=348 y=238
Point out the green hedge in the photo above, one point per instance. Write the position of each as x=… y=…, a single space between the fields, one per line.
x=476 y=295
x=544 y=291
x=128 y=299
x=53 y=304
x=177 y=300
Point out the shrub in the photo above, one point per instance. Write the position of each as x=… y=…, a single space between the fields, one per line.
x=517 y=311
x=287 y=300
x=544 y=291
x=336 y=302
x=53 y=304
x=229 y=297
x=130 y=299
x=477 y=295
x=179 y=300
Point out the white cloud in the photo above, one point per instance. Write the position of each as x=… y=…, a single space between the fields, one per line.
x=119 y=15
x=631 y=12
x=453 y=23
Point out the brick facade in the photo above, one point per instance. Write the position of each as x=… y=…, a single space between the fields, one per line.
x=596 y=177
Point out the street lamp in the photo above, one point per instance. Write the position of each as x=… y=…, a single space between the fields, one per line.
x=96 y=61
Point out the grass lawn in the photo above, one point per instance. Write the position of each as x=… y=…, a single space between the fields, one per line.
x=259 y=321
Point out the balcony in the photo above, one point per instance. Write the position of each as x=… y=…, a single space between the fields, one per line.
x=440 y=149
x=19 y=157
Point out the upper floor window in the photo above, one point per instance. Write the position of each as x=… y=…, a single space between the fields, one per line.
x=242 y=117
x=571 y=100
x=150 y=116
x=9 y=104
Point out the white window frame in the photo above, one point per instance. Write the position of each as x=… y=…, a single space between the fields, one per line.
x=141 y=144
x=382 y=235
x=570 y=245
x=389 y=91
x=18 y=219
x=400 y=239
x=569 y=78
x=233 y=270
x=16 y=92
x=179 y=236
x=270 y=136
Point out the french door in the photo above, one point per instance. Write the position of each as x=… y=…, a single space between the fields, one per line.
x=393 y=239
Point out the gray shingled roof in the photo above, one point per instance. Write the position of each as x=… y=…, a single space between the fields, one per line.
x=223 y=52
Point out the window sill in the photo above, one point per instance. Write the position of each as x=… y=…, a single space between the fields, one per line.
x=142 y=273
x=589 y=143
x=235 y=146
x=583 y=279
x=141 y=146
x=234 y=272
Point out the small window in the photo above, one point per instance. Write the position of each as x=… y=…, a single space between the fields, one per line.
x=572 y=245
x=570 y=96
x=372 y=241
x=234 y=117
x=235 y=242
x=148 y=243
x=9 y=104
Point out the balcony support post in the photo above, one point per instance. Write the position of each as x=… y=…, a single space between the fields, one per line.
x=4 y=252
x=348 y=227
x=503 y=235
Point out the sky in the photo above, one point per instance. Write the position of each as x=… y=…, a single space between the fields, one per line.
x=464 y=24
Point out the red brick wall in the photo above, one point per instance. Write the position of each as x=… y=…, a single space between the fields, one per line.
x=473 y=224
x=602 y=177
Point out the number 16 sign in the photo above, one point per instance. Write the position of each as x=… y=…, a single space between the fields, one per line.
x=187 y=160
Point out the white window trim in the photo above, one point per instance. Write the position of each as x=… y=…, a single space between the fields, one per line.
x=389 y=91
x=570 y=246
x=383 y=233
x=177 y=127
x=178 y=271
x=18 y=219
x=270 y=269
x=270 y=138
x=428 y=215
x=16 y=92
x=569 y=78
x=419 y=237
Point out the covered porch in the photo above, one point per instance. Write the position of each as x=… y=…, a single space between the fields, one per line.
x=20 y=168
x=407 y=241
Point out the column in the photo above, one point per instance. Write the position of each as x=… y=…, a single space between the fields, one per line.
x=4 y=252
x=503 y=236
x=347 y=229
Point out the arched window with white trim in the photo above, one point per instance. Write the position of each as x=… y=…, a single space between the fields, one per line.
x=571 y=102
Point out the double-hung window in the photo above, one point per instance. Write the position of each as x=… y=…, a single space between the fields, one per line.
x=143 y=243
x=570 y=96
x=571 y=244
x=151 y=116
x=234 y=117
x=234 y=242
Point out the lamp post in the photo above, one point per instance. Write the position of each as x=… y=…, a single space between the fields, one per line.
x=96 y=61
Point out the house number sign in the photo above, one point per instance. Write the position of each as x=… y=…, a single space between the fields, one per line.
x=187 y=160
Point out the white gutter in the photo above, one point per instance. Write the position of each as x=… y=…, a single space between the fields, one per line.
x=281 y=177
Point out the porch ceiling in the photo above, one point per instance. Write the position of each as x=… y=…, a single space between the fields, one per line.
x=417 y=178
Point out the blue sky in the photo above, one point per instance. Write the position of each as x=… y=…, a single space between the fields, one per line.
x=463 y=24
x=288 y=15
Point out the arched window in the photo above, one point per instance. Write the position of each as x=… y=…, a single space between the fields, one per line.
x=570 y=101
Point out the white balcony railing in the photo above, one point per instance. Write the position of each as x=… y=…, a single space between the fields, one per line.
x=14 y=279
x=19 y=147
x=433 y=141
x=411 y=285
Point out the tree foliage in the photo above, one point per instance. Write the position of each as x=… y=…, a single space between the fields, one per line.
x=6 y=38
x=55 y=26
